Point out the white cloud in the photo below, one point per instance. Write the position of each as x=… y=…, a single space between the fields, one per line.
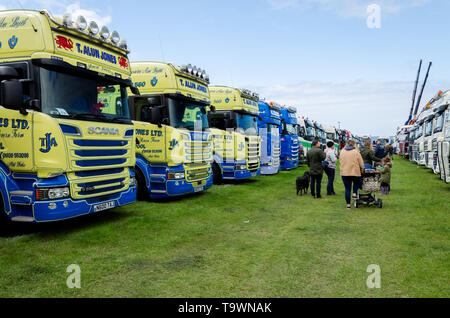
x=348 y=8
x=59 y=7
x=90 y=14
x=362 y=107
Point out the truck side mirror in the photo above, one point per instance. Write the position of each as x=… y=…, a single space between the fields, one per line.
x=11 y=94
x=156 y=115
x=212 y=108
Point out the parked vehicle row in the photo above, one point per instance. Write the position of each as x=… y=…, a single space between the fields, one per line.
x=426 y=140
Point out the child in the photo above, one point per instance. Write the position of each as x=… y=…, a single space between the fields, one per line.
x=385 y=175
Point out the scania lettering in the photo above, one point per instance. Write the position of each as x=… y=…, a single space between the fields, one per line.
x=269 y=132
x=63 y=152
x=173 y=150
x=289 y=138
x=234 y=127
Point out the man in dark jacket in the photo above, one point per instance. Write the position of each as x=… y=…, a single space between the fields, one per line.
x=368 y=155
x=314 y=159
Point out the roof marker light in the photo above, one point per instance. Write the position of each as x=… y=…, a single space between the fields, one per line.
x=123 y=44
x=104 y=32
x=81 y=23
x=115 y=38
x=67 y=20
x=93 y=28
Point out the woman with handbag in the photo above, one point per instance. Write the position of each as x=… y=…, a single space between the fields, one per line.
x=330 y=167
x=351 y=166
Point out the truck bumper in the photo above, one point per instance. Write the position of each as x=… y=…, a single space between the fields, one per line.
x=289 y=163
x=230 y=173
x=56 y=210
x=175 y=188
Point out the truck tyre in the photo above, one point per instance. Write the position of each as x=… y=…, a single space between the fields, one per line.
x=217 y=174
x=4 y=221
x=141 y=185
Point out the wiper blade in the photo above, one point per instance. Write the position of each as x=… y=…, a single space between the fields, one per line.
x=120 y=120
x=88 y=116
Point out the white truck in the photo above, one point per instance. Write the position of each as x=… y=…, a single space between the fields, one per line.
x=423 y=120
x=443 y=147
x=440 y=110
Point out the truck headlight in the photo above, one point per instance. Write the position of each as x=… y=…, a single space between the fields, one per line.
x=175 y=175
x=52 y=193
x=241 y=167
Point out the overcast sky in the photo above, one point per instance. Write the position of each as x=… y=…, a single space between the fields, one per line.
x=317 y=55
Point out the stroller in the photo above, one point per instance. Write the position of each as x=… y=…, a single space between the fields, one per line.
x=370 y=185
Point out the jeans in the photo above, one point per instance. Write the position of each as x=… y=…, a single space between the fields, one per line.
x=348 y=180
x=316 y=180
x=330 y=186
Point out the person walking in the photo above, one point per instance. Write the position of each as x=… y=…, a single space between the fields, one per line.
x=330 y=169
x=379 y=150
x=351 y=165
x=368 y=155
x=314 y=159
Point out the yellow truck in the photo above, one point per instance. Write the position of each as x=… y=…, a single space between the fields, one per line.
x=62 y=152
x=234 y=128
x=173 y=144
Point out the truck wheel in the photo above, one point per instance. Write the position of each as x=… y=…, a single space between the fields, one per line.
x=217 y=174
x=142 y=193
x=4 y=221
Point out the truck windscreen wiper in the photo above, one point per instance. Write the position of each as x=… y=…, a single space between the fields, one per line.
x=97 y=117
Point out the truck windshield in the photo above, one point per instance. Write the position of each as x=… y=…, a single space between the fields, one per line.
x=291 y=129
x=273 y=129
x=429 y=128
x=64 y=95
x=189 y=115
x=301 y=131
x=330 y=136
x=439 y=123
x=310 y=131
x=247 y=123
x=419 y=131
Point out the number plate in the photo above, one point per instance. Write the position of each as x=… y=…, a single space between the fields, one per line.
x=198 y=189
x=104 y=206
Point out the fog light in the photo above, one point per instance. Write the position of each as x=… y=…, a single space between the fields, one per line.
x=66 y=204
x=52 y=205
x=132 y=181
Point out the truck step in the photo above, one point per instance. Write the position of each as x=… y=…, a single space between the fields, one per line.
x=26 y=219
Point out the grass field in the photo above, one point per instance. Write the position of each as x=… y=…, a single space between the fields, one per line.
x=251 y=239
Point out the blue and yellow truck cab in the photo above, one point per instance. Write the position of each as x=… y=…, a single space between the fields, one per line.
x=173 y=143
x=233 y=120
x=63 y=153
x=289 y=138
x=269 y=133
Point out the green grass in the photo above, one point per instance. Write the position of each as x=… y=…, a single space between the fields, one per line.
x=251 y=239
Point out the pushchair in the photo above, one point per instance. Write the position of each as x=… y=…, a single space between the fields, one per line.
x=370 y=184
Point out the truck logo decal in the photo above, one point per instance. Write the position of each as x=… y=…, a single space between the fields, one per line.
x=123 y=62
x=13 y=42
x=154 y=81
x=64 y=43
x=172 y=144
x=47 y=143
x=227 y=100
x=103 y=130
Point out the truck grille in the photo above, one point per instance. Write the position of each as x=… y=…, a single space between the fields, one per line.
x=198 y=151
x=252 y=148
x=196 y=172
x=88 y=161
